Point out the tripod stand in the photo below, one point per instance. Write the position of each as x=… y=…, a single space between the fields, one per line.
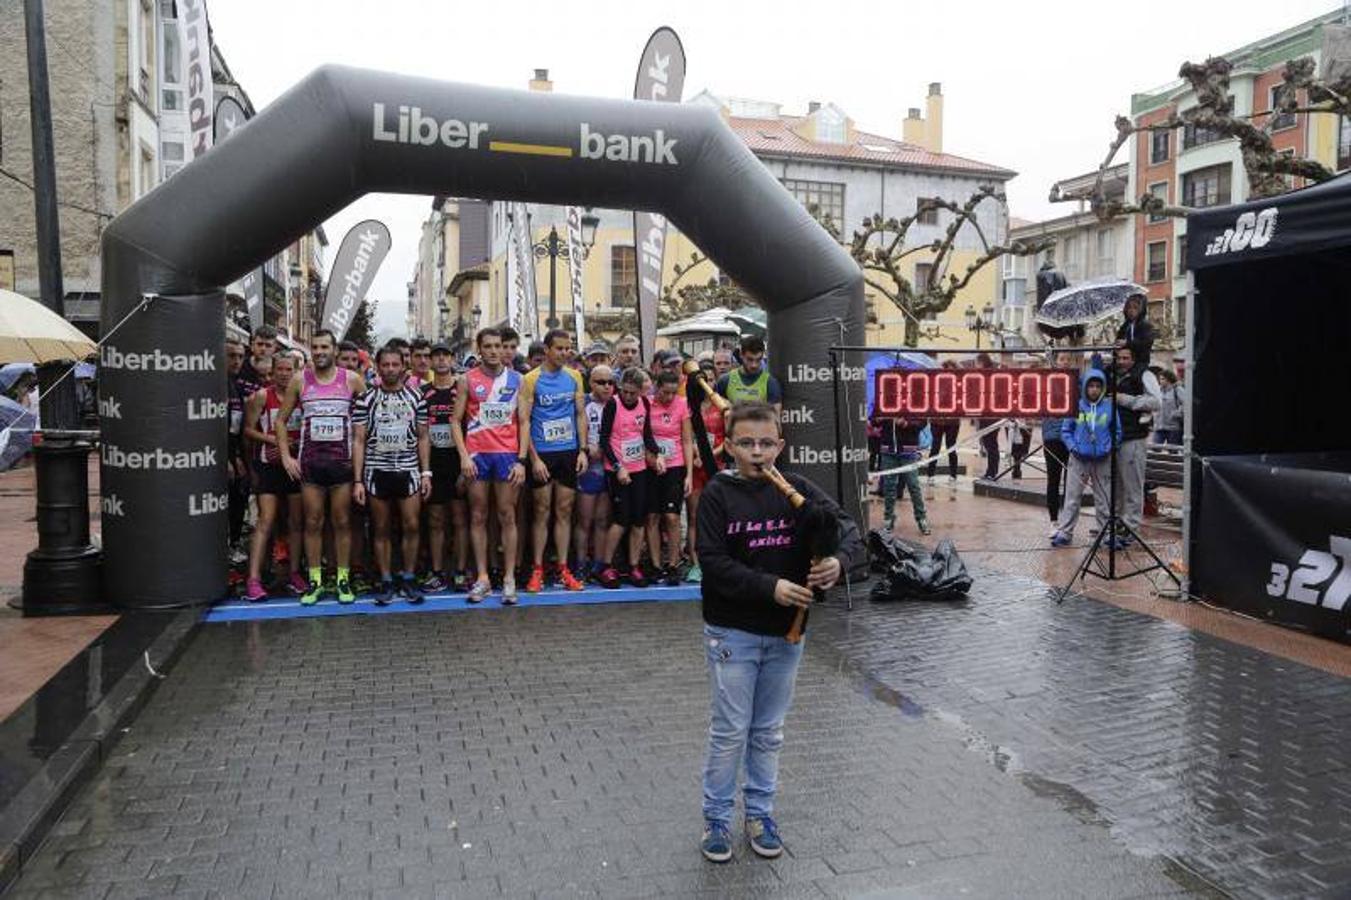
x=1115 y=528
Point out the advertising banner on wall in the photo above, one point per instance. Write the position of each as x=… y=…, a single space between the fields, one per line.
x=1274 y=539
x=195 y=40
x=527 y=299
x=661 y=76
x=359 y=257
x=576 y=265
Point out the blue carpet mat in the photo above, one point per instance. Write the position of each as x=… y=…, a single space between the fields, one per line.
x=290 y=608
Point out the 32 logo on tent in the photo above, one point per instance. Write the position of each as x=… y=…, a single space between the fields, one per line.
x=1321 y=578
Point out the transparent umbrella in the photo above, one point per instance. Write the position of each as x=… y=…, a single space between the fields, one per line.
x=1085 y=304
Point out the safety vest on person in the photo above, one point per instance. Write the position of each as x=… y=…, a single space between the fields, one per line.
x=740 y=390
x=326 y=418
x=553 y=414
x=440 y=413
x=267 y=421
x=667 y=428
x=490 y=411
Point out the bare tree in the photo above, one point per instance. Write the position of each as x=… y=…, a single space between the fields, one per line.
x=680 y=301
x=1267 y=168
x=880 y=249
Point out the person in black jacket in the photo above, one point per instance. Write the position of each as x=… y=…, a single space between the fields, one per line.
x=1136 y=331
x=756 y=575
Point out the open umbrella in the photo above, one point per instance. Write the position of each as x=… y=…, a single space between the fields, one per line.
x=1082 y=305
x=30 y=332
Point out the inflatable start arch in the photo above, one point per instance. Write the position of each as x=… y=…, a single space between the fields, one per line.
x=342 y=133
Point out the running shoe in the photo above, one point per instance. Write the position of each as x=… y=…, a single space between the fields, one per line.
x=254 y=591
x=509 y=593
x=536 y=582
x=569 y=580
x=695 y=575
x=434 y=583
x=237 y=556
x=459 y=582
x=637 y=578
x=297 y=583
x=480 y=591
x=410 y=591
x=1060 y=539
x=672 y=576
x=281 y=554
x=608 y=578
x=311 y=595
x=345 y=595
x=924 y=527
x=384 y=595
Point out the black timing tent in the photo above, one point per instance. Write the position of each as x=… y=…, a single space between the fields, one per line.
x=1269 y=525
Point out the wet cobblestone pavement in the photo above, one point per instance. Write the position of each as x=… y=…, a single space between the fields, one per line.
x=1002 y=748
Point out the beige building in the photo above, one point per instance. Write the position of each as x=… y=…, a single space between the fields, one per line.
x=119 y=129
x=824 y=160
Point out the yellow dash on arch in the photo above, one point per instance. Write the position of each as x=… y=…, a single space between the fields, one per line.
x=532 y=149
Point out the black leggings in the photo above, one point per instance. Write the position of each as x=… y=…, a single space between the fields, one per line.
x=239 y=505
x=944 y=431
x=991 y=444
x=1057 y=459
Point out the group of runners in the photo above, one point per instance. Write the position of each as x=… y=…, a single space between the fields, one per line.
x=415 y=474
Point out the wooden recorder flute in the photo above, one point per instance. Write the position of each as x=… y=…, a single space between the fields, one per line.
x=796 y=500
x=692 y=370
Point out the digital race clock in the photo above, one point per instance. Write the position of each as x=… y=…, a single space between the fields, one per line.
x=976 y=393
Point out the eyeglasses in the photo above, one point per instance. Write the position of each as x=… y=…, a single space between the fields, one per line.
x=752 y=443
x=601 y=382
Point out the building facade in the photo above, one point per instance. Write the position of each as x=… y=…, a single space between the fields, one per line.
x=824 y=161
x=120 y=127
x=1197 y=168
x=1082 y=248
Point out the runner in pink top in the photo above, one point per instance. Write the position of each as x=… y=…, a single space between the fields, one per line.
x=672 y=481
x=628 y=447
x=324 y=467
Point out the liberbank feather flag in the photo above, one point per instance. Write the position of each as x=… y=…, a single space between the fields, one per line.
x=195 y=42
x=354 y=268
x=661 y=76
x=576 y=262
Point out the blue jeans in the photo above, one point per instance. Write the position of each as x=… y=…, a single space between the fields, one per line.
x=751 y=685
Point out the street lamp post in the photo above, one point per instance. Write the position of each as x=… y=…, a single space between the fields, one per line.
x=553 y=247
x=982 y=321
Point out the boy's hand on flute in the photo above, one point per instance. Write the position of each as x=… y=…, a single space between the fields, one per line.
x=786 y=593
x=824 y=573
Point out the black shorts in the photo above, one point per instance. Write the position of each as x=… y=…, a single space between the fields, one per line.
x=392 y=485
x=562 y=466
x=271 y=478
x=629 y=502
x=445 y=477
x=668 y=491
x=326 y=473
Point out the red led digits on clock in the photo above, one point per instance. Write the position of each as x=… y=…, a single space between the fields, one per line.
x=979 y=393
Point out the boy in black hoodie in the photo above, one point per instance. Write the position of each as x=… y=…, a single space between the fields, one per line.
x=756 y=575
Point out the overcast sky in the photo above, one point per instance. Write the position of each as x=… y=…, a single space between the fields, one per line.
x=1030 y=86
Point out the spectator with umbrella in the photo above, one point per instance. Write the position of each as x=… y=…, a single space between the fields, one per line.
x=1069 y=313
x=1135 y=330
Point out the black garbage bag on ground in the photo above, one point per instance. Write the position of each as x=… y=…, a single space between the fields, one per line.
x=914 y=573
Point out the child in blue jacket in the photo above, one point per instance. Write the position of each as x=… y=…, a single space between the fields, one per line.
x=1089 y=438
